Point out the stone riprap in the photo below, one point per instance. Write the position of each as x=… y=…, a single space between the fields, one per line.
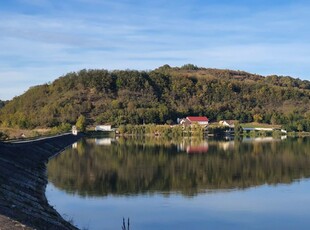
x=23 y=180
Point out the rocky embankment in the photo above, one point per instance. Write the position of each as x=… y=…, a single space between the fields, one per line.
x=23 y=180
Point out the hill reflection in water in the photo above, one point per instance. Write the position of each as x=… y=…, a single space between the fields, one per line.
x=100 y=167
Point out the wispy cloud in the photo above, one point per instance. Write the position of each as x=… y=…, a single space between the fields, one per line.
x=42 y=39
x=35 y=2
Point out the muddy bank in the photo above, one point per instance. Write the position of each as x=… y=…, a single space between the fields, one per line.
x=23 y=180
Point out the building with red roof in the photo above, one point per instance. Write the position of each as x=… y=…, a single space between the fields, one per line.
x=195 y=120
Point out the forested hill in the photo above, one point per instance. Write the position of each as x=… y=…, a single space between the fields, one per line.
x=160 y=96
x=2 y=104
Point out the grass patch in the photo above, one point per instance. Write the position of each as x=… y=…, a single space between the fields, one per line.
x=259 y=125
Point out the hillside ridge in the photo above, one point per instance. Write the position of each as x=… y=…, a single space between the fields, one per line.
x=161 y=96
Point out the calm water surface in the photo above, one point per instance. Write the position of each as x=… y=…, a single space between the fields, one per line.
x=183 y=184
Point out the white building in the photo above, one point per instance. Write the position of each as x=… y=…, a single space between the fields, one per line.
x=74 y=130
x=228 y=123
x=106 y=128
x=194 y=120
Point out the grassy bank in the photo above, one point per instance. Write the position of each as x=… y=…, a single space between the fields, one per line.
x=298 y=134
x=161 y=130
x=261 y=125
x=16 y=133
x=152 y=130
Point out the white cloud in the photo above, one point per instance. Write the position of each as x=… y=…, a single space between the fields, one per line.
x=118 y=35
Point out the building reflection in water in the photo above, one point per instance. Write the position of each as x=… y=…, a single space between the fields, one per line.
x=104 y=141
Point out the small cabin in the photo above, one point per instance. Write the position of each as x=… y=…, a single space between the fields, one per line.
x=104 y=128
x=228 y=123
x=204 y=121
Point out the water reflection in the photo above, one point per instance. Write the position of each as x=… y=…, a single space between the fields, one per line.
x=99 y=167
x=104 y=141
x=192 y=146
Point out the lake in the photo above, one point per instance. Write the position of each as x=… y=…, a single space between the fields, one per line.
x=190 y=183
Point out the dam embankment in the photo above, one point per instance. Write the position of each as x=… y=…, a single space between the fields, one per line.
x=23 y=179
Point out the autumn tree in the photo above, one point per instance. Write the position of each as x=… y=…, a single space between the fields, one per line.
x=81 y=123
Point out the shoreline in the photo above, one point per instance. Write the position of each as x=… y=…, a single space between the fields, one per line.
x=23 y=180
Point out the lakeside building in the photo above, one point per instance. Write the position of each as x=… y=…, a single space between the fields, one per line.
x=74 y=130
x=228 y=123
x=104 y=128
x=191 y=120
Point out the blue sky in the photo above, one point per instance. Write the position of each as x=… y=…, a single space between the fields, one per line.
x=41 y=40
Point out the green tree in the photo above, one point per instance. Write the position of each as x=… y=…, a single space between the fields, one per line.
x=81 y=123
x=189 y=67
x=300 y=127
x=167 y=93
x=238 y=129
x=257 y=118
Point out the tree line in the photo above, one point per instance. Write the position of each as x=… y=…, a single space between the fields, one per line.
x=161 y=96
x=2 y=103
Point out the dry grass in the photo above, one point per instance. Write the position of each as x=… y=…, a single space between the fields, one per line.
x=15 y=133
x=259 y=125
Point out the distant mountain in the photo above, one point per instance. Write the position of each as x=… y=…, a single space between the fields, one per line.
x=164 y=94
